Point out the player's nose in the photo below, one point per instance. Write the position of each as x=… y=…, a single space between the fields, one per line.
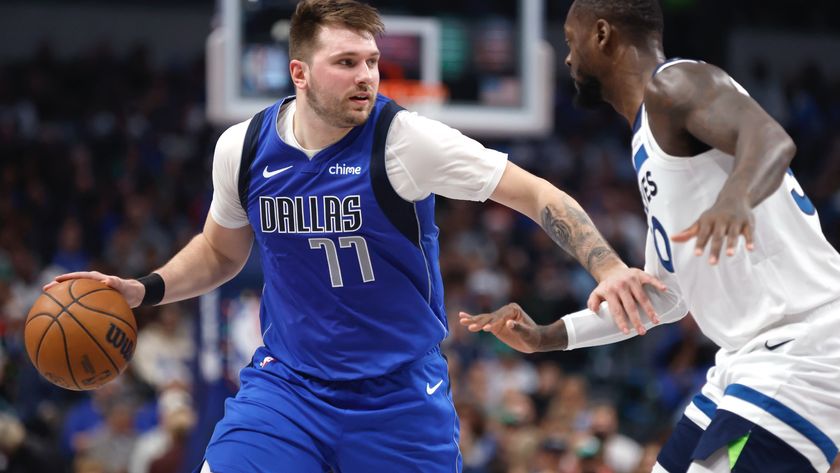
x=365 y=74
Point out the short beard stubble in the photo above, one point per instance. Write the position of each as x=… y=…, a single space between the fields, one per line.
x=331 y=110
x=589 y=94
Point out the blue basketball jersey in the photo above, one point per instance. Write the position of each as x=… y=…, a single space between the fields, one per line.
x=352 y=283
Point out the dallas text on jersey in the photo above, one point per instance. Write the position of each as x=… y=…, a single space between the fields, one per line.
x=310 y=214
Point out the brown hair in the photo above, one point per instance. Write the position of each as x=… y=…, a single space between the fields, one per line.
x=311 y=15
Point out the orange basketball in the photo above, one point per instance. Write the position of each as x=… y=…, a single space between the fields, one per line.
x=80 y=334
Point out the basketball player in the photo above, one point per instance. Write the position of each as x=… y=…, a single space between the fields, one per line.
x=337 y=185
x=712 y=165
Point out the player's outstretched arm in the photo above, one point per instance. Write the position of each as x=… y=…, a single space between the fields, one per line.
x=585 y=328
x=513 y=326
x=703 y=101
x=570 y=227
x=209 y=259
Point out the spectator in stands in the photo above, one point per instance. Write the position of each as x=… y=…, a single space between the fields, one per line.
x=165 y=348
x=113 y=442
x=23 y=452
x=621 y=453
x=161 y=450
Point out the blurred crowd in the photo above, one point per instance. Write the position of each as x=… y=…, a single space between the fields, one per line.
x=105 y=164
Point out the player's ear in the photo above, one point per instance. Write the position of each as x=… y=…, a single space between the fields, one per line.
x=299 y=72
x=603 y=31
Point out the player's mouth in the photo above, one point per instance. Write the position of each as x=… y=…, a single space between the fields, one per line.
x=576 y=81
x=361 y=98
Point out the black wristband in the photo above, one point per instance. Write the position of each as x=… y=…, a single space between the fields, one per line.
x=155 y=287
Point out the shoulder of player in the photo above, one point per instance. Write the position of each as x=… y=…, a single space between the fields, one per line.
x=411 y=126
x=412 y=119
x=682 y=86
x=232 y=139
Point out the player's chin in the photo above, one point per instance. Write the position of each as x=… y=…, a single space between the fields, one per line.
x=588 y=99
x=359 y=115
x=589 y=93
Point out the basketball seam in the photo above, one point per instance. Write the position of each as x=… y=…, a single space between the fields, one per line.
x=67 y=356
x=39 y=314
x=91 y=292
x=41 y=341
x=73 y=296
x=44 y=335
x=70 y=290
x=78 y=300
x=66 y=310
x=93 y=309
x=73 y=283
x=93 y=338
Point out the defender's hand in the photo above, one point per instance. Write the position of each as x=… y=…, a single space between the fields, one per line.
x=132 y=290
x=622 y=290
x=728 y=218
x=509 y=324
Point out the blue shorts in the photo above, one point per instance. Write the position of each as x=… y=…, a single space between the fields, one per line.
x=751 y=448
x=285 y=421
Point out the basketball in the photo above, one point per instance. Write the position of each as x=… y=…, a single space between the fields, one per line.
x=80 y=334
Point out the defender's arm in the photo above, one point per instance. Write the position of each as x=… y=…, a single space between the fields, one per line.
x=705 y=102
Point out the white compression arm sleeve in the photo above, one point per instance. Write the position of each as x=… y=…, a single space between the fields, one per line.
x=588 y=329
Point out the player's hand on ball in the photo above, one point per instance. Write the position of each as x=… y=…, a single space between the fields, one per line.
x=623 y=291
x=727 y=219
x=80 y=334
x=509 y=324
x=130 y=289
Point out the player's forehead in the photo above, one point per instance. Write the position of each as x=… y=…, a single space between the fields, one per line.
x=338 y=40
x=576 y=18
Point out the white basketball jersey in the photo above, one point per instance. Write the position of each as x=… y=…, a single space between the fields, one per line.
x=792 y=270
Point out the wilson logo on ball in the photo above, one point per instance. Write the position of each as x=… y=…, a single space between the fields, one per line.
x=118 y=340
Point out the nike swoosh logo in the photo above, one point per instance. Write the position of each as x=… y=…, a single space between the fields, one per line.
x=431 y=389
x=267 y=173
x=773 y=347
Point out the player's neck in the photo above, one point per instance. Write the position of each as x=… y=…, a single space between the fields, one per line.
x=625 y=89
x=311 y=131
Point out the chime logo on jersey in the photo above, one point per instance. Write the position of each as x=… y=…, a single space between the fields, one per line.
x=310 y=214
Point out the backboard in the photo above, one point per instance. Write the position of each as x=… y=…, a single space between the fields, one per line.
x=481 y=67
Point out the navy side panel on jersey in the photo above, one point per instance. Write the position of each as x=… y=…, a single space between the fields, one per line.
x=349 y=291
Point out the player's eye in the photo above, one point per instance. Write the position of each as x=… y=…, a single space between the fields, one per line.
x=345 y=62
x=373 y=62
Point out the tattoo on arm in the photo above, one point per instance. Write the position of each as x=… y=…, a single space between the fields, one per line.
x=572 y=229
x=598 y=255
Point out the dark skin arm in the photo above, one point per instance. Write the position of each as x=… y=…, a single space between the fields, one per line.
x=513 y=326
x=692 y=107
